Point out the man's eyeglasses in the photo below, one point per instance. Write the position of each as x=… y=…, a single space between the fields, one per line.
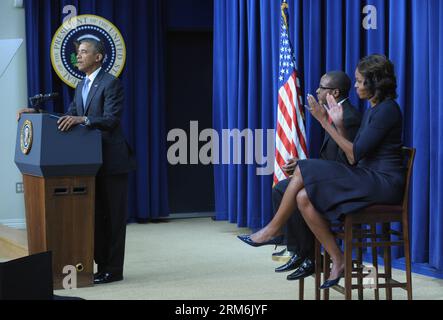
x=326 y=88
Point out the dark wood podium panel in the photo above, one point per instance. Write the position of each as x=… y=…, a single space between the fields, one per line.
x=60 y=218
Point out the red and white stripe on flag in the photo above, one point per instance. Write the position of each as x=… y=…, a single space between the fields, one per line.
x=291 y=135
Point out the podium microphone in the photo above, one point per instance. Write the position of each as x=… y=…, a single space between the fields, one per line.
x=37 y=100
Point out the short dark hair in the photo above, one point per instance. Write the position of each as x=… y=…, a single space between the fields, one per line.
x=340 y=80
x=98 y=46
x=379 y=75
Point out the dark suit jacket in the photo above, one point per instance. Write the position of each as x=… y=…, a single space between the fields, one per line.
x=104 y=108
x=351 y=119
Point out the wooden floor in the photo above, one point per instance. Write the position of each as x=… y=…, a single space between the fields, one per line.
x=13 y=243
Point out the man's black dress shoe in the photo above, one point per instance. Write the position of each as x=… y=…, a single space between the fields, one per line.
x=106 y=277
x=246 y=238
x=306 y=269
x=292 y=264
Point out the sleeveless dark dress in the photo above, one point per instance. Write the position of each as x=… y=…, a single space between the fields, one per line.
x=378 y=177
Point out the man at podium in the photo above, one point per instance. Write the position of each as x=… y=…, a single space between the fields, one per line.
x=98 y=104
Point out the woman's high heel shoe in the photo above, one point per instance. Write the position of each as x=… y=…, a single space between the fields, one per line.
x=330 y=283
x=246 y=238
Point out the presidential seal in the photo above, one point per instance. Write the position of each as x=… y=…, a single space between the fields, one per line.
x=26 y=137
x=67 y=39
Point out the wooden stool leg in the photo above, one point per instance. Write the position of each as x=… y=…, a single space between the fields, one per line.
x=318 y=262
x=301 y=289
x=407 y=249
x=387 y=261
x=348 y=257
x=375 y=259
x=360 y=272
x=326 y=273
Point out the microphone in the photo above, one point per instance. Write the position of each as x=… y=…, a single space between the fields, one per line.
x=39 y=99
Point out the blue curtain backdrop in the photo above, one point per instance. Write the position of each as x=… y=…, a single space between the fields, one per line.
x=245 y=65
x=329 y=35
x=141 y=24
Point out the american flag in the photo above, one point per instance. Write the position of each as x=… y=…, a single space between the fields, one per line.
x=291 y=135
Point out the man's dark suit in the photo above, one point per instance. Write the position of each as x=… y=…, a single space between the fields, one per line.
x=298 y=236
x=104 y=107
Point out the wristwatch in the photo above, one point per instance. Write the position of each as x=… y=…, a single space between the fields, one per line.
x=87 y=122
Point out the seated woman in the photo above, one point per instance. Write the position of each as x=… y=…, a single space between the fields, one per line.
x=325 y=190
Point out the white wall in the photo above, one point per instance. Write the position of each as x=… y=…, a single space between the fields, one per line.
x=13 y=95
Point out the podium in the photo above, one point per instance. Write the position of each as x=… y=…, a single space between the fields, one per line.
x=59 y=171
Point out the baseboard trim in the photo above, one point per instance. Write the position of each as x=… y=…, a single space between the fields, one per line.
x=419 y=268
x=187 y=215
x=14 y=223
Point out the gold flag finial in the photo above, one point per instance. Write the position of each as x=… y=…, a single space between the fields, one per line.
x=284 y=6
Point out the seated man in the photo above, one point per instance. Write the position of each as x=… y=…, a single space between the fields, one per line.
x=299 y=238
